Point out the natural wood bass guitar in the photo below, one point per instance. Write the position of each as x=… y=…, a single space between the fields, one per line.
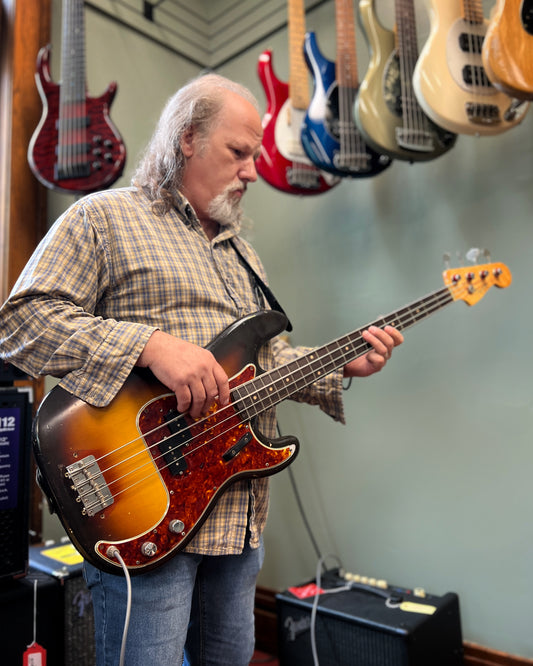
x=508 y=48
x=140 y=477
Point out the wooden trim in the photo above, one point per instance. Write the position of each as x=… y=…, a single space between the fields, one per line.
x=266 y=620
x=266 y=630
x=25 y=28
x=27 y=198
x=477 y=655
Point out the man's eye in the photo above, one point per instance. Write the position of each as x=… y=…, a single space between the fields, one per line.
x=238 y=153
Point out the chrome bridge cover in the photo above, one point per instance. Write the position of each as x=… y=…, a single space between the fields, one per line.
x=89 y=483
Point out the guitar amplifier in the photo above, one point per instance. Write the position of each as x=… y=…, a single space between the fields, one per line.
x=17 y=618
x=62 y=564
x=64 y=624
x=368 y=625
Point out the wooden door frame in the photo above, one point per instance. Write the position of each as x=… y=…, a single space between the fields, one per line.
x=24 y=28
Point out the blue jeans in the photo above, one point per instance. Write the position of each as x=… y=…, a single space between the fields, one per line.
x=195 y=608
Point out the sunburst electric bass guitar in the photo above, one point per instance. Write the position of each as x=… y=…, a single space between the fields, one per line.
x=140 y=478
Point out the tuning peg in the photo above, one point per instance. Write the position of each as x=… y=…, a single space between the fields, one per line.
x=473 y=254
x=486 y=254
x=446 y=260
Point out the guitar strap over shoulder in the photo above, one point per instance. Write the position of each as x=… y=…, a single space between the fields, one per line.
x=272 y=300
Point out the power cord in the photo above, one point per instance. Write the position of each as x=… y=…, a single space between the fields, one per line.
x=343 y=588
x=320 y=563
x=301 y=506
x=390 y=600
x=302 y=513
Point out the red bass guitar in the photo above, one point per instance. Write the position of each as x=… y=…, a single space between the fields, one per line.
x=75 y=148
x=284 y=163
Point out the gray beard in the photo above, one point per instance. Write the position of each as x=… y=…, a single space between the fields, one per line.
x=225 y=210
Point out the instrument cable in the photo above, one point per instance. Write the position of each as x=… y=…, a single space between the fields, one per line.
x=113 y=551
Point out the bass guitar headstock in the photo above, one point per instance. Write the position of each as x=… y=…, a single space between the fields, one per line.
x=471 y=283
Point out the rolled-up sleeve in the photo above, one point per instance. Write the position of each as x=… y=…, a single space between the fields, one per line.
x=50 y=325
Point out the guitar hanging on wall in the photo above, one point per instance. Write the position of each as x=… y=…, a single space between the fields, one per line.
x=386 y=109
x=140 y=478
x=449 y=79
x=508 y=48
x=75 y=148
x=329 y=134
x=283 y=163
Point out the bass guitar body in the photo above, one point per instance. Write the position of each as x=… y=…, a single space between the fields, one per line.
x=138 y=476
x=508 y=48
x=450 y=81
x=329 y=134
x=90 y=154
x=380 y=111
x=283 y=162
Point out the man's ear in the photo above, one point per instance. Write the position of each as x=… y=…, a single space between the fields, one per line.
x=188 y=142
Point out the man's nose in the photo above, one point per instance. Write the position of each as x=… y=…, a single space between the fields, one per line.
x=249 y=172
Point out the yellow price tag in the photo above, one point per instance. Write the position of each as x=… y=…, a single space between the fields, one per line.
x=65 y=554
x=413 y=607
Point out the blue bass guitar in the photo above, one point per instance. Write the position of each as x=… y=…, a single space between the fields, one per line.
x=329 y=134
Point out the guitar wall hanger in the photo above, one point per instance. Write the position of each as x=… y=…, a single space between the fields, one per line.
x=148 y=9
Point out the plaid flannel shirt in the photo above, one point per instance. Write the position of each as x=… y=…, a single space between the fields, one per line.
x=110 y=272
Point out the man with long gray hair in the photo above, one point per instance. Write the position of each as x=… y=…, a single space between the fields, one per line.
x=145 y=277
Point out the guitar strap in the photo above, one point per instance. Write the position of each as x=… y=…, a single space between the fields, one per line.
x=272 y=300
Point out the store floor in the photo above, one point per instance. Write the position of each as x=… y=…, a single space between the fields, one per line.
x=264 y=659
